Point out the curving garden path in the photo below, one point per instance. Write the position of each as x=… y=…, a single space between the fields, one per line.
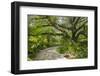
x=49 y=54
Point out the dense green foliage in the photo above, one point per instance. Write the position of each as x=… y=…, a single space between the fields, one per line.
x=70 y=34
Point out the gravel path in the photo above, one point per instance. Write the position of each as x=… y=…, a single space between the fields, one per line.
x=49 y=54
